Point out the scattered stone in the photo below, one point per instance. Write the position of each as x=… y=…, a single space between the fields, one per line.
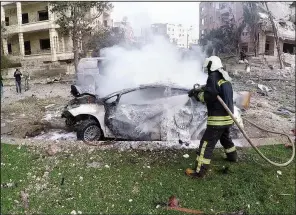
x=94 y=165
x=73 y=212
x=53 y=149
x=25 y=199
x=8 y=185
x=279 y=172
x=263 y=88
x=263 y=104
x=283 y=112
x=186 y=156
x=250 y=82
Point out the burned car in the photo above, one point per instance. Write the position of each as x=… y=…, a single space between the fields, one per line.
x=148 y=112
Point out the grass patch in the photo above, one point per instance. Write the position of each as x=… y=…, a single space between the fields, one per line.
x=65 y=182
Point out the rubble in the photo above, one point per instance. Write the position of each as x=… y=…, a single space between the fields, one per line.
x=53 y=149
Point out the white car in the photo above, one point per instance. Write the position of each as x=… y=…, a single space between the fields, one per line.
x=150 y=112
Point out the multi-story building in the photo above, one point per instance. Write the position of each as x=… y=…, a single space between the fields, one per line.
x=31 y=33
x=215 y=14
x=177 y=34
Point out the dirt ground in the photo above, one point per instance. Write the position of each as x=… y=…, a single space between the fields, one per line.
x=37 y=111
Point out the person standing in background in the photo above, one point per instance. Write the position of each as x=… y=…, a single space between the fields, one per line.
x=18 y=79
x=27 y=78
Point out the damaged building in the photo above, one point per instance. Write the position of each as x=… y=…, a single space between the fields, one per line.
x=284 y=19
x=216 y=14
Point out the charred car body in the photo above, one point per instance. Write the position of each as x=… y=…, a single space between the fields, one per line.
x=150 y=112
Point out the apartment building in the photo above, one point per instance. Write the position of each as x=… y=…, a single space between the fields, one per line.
x=176 y=33
x=31 y=33
x=215 y=14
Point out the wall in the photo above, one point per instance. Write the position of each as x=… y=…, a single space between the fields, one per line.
x=14 y=40
x=34 y=38
x=32 y=10
x=11 y=13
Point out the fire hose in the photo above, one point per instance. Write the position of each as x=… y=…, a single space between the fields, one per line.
x=252 y=144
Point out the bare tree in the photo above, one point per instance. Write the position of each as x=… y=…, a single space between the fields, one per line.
x=77 y=20
x=275 y=35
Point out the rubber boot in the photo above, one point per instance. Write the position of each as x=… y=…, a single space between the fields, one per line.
x=193 y=174
x=232 y=156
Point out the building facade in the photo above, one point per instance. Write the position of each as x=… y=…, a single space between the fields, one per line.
x=177 y=34
x=215 y=14
x=31 y=33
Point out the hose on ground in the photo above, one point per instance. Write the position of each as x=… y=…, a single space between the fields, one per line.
x=252 y=144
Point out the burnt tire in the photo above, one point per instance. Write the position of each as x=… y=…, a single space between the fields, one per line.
x=89 y=130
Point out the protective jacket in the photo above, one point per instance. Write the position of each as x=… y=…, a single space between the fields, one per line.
x=217 y=85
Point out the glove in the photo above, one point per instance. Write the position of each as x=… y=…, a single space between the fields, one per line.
x=191 y=93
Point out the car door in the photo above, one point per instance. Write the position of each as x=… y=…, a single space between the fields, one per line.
x=187 y=117
x=136 y=115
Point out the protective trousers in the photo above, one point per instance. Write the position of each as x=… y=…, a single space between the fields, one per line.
x=208 y=143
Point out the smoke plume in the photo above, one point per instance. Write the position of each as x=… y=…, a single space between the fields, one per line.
x=156 y=62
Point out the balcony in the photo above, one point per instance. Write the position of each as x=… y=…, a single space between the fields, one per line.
x=36 y=26
x=30 y=27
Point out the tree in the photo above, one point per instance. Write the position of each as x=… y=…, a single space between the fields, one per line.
x=276 y=38
x=251 y=19
x=75 y=19
x=105 y=37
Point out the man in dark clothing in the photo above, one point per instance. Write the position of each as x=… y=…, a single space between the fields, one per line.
x=243 y=55
x=18 y=78
x=219 y=121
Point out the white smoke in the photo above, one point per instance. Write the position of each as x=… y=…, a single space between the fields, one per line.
x=156 y=62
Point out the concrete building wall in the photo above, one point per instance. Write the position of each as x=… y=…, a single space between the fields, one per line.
x=33 y=9
x=213 y=14
x=12 y=15
x=34 y=38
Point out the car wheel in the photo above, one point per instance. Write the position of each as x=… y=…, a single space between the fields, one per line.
x=89 y=130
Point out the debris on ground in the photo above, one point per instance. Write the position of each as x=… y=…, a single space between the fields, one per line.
x=283 y=112
x=186 y=156
x=264 y=88
x=279 y=172
x=25 y=199
x=173 y=202
x=8 y=185
x=53 y=149
x=94 y=165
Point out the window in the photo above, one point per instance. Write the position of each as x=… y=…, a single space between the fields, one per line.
x=143 y=96
x=202 y=21
x=202 y=9
x=105 y=23
x=43 y=15
x=9 y=48
x=25 y=18
x=203 y=31
x=44 y=44
x=7 y=21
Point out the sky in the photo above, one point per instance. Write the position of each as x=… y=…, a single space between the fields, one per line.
x=143 y=14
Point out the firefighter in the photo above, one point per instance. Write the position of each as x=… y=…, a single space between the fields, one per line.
x=219 y=121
